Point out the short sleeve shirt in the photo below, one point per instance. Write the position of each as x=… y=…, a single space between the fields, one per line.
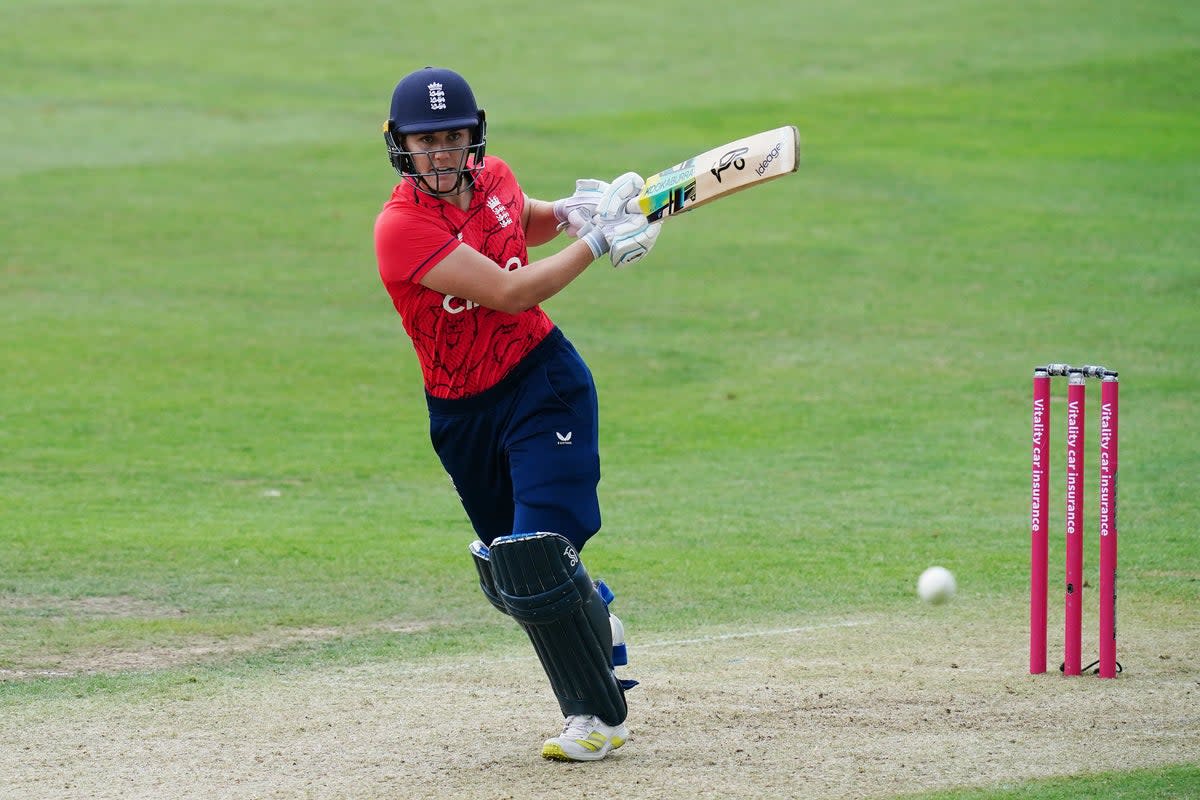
x=463 y=348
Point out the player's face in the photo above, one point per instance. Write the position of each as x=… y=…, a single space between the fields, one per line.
x=440 y=156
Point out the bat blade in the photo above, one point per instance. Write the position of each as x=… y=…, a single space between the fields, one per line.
x=720 y=172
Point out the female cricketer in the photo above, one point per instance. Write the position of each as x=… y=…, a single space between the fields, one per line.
x=512 y=406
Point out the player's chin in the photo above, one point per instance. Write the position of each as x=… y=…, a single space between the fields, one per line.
x=445 y=182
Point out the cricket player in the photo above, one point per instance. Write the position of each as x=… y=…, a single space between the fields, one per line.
x=512 y=405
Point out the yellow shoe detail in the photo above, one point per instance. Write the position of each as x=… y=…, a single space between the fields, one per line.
x=555 y=752
x=597 y=741
x=594 y=742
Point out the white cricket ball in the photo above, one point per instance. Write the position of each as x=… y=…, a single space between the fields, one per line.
x=936 y=585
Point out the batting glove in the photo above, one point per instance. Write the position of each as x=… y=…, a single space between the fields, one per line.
x=575 y=211
x=631 y=238
x=593 y=235
x=613 y=201
x=615 y=229
x=626 y=239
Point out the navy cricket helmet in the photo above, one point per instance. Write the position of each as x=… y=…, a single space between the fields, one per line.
x=433 y=99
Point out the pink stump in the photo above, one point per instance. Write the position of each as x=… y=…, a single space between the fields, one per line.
x=1038 y=522
x=1108 y=526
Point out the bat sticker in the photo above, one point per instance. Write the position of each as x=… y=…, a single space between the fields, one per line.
x=732 y=158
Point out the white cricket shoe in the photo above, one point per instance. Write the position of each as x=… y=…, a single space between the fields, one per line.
x=585 y=738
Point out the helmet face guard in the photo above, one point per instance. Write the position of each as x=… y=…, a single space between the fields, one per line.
x=429 y=100
x=404 y=161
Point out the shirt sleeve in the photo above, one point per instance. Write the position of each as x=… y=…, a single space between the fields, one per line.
x=408 y=246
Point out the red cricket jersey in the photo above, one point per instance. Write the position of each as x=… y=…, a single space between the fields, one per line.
x=463 y=348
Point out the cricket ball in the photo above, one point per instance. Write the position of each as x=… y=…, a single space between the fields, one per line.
x=936 y=585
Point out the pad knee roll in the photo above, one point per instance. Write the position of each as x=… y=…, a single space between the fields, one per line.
x=487 y=584
x=544 y=586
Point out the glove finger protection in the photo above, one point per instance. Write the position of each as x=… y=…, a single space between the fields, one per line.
x=631 y=239
x=588 y=192
x=576 y=221
x=613 y=201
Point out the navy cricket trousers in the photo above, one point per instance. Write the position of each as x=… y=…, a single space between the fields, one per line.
x=524 y=455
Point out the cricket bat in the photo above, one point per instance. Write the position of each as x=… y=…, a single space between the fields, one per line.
x=719 y=172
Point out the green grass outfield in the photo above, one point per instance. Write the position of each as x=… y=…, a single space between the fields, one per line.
x=809 y=392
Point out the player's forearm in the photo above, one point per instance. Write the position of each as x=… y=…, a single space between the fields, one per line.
x=540 y=224
x=544 y=278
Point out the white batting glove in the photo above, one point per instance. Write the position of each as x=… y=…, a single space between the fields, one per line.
x=575 y=211
x=631 y=238
x=626 y=239
x=613 y=201
x=592 y=234
x=615 y=228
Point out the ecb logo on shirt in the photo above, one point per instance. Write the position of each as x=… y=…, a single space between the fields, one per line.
x=497 y=207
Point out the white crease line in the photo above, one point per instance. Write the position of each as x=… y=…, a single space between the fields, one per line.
x=721 y=637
